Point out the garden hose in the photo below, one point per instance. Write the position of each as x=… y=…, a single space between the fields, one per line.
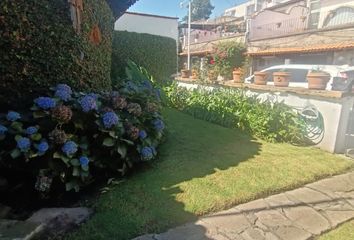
x=314 y=123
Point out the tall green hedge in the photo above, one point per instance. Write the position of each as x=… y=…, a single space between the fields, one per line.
x=39 y=48
x=155 y=53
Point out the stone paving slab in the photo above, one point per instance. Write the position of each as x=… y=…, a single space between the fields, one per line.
x=300 y=214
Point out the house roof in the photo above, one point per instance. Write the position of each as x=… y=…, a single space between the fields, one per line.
x=150 y=15
x=120 y=6
x=307 y=49
x=196 y=53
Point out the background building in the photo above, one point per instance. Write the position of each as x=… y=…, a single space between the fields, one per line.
x=147 y=23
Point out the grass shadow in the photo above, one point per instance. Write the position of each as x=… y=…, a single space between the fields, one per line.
x=153 y=199
x=202 y=168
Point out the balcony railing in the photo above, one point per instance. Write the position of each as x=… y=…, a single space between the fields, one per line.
x=278 y=28
x=323 y=20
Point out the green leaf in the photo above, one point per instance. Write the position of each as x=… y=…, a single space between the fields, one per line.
x=76 y=172
x=85 y=168
x=128 y=141
x=108 y=142
x=122 y=150
x=113 y=134
x=72 y=185
x=65 y=159
x=17 y=126
x=84 y=174
x=79 y=125
x=39 y=114
x=75 y=162
x=18 y=137
x=15 y=153
x=84 y=146
x=33 y=155
x=36 y=137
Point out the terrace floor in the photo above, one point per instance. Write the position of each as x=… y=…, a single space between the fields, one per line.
x=300 y=214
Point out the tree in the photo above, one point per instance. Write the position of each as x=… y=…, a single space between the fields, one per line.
x=201 y=9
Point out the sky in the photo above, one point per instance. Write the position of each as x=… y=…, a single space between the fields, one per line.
x=172 y=8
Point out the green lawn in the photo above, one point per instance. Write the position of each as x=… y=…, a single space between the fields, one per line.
x=203 y=168
x=344 y=232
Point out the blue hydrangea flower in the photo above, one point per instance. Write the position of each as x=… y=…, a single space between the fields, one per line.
x=43 y=147
x=142 y=134
x=84 y=161
x=115 y=94
x=31 y=130
x=13 y=116
x=147 y=85
x=63 y=92
x=110 y=119
x=131 y=86
x=24 y=144
x=93 y=95
x=3 y=129
x=63 y=87
x=45 y=103
x=158 y=94
x=69 y=148
x=88 y=103
x=159 y=125
x=147 y=153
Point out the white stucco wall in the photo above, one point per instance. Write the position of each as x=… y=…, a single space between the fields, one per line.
x=155 y=25
x=338 y=116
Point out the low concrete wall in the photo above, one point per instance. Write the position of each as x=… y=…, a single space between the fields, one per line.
x=336 y=131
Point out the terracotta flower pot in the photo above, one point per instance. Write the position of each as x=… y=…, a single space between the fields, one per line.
x=186 y=73
x=194 y=74
x=281 y=79
x=237 y=76
x=318 y=80
x=260 y=78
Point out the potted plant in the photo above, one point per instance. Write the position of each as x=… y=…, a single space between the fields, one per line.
x=227 y=56
x=195 y=74
x=318 y=79
x=195 y=71
x=212 y=72
x=260 y=78
x=281 y=78
x=212 y=75
x=185 y=73
x=237 y=75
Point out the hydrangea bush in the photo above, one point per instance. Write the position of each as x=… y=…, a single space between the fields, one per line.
x=71 y=136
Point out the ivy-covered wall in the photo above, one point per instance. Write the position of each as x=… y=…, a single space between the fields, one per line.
x=155 y=53
x=40 y=48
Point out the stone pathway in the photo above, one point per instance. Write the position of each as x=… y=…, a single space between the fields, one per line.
x=300 y=214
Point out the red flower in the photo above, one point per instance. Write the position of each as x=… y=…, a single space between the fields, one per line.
x=212 y=61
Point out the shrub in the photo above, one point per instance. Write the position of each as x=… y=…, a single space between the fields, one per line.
x=155 y=53
x=39 y=48
x=269 y=120
x=71 y=136
x=227 y=56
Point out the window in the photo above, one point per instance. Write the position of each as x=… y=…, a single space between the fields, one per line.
x=314 y=20
x=315 y=8
x=250 y=10
x=315 y=5
x=76 y=7
x=339 y=16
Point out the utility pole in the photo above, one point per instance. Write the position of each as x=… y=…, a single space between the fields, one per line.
x=189 y=34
